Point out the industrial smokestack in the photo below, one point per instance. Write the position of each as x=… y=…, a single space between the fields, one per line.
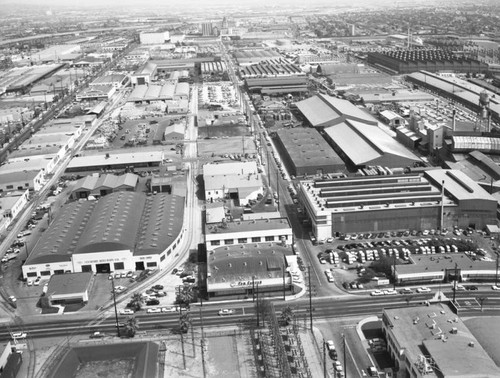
x=453 y=120
x=489 y=122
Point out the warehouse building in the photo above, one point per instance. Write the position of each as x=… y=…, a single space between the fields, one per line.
x=305 y=152
x=398 y=62
x=124 y=231
x=247 y=57
x=396 y=202
x=360 y=144
x=431 y=341
x=115 y=161
x=324 y=111
x=97 y=186
x=277 y=85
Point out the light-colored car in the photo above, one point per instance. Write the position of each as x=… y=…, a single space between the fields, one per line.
x=337 y=366
x=18 y=335
x=423 y=289
x=495 y=287
x=377 y=293
x=12 y=298
x=330 y=345
x=169 y=309
x=406 y=290
x=153 y=310
x=126 y=311
x=225 y=311
x=390 y=292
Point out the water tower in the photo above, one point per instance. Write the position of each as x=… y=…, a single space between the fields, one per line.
x=484 y=112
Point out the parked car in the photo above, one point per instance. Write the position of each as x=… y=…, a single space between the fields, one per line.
x=157 y=287
x=376 y=293
x=126 y=311
x=423 y=289
x=97 y=335
x=225 y=311
x=152 y=302
x=153 y=310
x=18 y=335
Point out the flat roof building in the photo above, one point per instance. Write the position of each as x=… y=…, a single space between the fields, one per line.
x=110 y=161
x=432 y=342
x=396 y=202
x=305 y=152
x=240 y=181
x=69 y=288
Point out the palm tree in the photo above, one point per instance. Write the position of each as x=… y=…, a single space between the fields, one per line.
x=136 y=302
x=184 y=322
x=131 y=326
x=185 y=296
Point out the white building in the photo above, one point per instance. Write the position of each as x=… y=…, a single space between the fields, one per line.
x=154 y=38
x=254 y=231
x=240 y=181
x=11 y=206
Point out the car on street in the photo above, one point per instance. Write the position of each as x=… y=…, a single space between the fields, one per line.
x=225 y=311
x=377 y=293
x=126 y=311
x=157 y=287
x=18 y=335
x=153 y=310
x=423 y=289
x=471 y=287
x=169 y=309
x=337 y=365
x=495 y=287
x=390 y=292
x=330 y=345
x=97 y=335
x=406 y=290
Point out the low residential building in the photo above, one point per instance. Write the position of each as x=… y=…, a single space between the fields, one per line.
x=431 y=341
x=11 y=205
x=240 y=181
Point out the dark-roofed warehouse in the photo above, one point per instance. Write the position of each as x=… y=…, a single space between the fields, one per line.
x=123 y=231
x=305 y=152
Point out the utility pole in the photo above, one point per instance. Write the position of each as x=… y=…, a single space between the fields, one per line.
x=496 y=273
x=310 y=296
x=394 y=271
x=114 y=303
x=284 y=288
x=345 y=355
x=278 y=188
x=258 y=309
x=182 y=338
x=202 y=346
x=324 y=358
x=455 y=284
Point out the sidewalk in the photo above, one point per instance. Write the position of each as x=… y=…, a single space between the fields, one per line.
x=313 y=352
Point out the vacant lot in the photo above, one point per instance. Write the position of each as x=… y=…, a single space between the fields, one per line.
x=230 y=145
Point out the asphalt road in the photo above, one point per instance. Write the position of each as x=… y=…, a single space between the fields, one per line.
x=245 y=313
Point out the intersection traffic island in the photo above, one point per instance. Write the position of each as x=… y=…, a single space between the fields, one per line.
x=125 y=359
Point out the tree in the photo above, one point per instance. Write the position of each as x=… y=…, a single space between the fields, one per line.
x=384 y=265
x=185 y=295
x=263 y=307
x=136 y=302
x=287 y=315
x=184 y=322
x=131 y=326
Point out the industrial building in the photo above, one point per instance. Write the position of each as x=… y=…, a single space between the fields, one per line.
x=115 y=161
x=123 y=231
x=20 y=79
x=152 y=68
x=438 y=268
x=97 y=186
x=265 y=230
x=407 y=61
x=247 y=269
x=360 y=144
x=277 y=85
x=169 y=91
x=247 y=57
x=240 y=181
x=154 y=38
x=323 y=111
x=431 y=341
x=305 y=152
x=435 y=199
